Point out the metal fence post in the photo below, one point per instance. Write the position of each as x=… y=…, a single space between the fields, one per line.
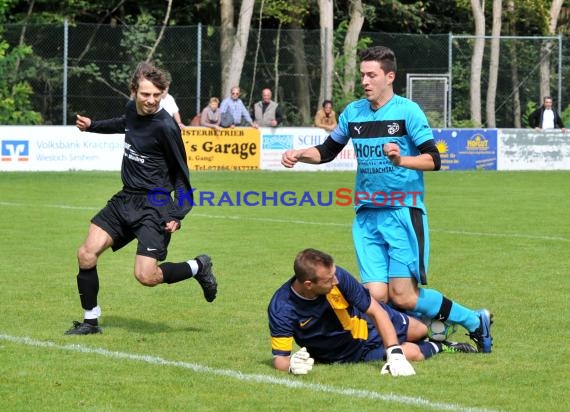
x=65 y=54
x=450 y=71
x=559 y=73
x=198 y=68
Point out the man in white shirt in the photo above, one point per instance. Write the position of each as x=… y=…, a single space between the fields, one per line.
x=546 y=117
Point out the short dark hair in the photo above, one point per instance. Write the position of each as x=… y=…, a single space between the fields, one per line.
x=306 y=262
x=325 y=102
x=383 y=55
x=148 y=71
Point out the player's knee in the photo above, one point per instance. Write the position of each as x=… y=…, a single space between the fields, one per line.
x=85 y=258
x=147 y=278
x=412 y=352
x=378 y=291
x=403 y=298
x=379 y=296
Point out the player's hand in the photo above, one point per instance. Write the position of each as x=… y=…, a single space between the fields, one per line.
x=83 y=123
x=396 y=363
x=172 y=226
x=392 y=151
x=289 y=158
x=301 y=362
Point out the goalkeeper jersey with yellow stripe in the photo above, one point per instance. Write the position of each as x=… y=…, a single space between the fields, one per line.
x=333 y=327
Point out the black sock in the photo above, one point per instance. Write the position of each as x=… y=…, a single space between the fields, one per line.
x=200 y=265
x=88 y=287
x=93 y=322
x=175 y=272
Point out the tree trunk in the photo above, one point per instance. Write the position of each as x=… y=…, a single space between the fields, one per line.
x=513 y=60
x=239 y=47
x=494 y=63
x=276 y=64
x=257 y=47
x=477 y=61
x=546 y=50
x=350 y=43
x=302 y=88
x=327 y=58
x=227 y=31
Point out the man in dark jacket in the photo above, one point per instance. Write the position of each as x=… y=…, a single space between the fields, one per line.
x=546 y=117
x=154 y=165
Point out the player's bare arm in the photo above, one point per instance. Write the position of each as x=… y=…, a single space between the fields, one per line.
x=291 y=157
x=422 y=161
x=281 y=363
x=383 y=323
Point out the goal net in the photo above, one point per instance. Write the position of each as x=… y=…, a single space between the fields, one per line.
x=430 y=91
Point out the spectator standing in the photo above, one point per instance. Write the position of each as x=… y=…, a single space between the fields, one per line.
x=546 y=117
x=211 y=115
x=266 y=112
x=234 y=105
x=326 y=117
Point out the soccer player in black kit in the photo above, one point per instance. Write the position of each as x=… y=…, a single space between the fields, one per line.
x=154 y=158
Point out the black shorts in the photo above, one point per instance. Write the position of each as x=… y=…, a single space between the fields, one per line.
x=130 y=215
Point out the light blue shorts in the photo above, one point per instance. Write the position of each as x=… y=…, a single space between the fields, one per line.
x=391 y=243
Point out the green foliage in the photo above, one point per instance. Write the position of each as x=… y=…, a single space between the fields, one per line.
x=435 y=119
x=286 y=11
x=15 y=93
x=531 y=106
x=138 y=38
x=565 y=115
x=340 y=99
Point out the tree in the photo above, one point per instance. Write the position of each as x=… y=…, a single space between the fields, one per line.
x=15 y=90
x=546 y=49
x=478 y=7
x=356 y=12
x=232 y=70
x=327 y=58
x=494 y=63
x=513 y=60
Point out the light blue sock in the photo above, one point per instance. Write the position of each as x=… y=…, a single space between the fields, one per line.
x=429 y=304
x=463 y=316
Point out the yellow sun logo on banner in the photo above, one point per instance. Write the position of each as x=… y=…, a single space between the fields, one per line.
x=441 y=146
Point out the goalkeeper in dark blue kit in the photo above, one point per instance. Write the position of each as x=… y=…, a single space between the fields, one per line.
x=154 y=159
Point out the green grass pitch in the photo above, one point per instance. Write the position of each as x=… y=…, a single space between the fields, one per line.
x=498 y=239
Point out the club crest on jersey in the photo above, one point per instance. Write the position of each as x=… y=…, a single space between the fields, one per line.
x=393 y=128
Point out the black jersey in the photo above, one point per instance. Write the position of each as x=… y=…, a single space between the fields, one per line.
x=154 y=156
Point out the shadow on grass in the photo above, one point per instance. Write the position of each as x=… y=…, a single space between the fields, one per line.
x=142 y=326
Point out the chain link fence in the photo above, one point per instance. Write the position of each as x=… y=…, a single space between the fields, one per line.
x=86 y=68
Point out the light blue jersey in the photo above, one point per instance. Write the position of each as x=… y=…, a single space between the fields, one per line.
x=378 y=182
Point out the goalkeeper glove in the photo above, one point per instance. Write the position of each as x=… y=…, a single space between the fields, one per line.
x=396 y=363
x=301 y=362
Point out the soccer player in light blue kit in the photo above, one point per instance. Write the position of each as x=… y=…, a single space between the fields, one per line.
x=394 y=145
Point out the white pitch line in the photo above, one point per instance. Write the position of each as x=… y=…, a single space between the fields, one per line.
x=247 y=377
x=318 y=223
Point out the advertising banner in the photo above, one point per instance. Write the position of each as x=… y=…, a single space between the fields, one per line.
x=223 y=149
x=275 y=141
x=58 y=148
x=524 y=149
x=463 y=149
